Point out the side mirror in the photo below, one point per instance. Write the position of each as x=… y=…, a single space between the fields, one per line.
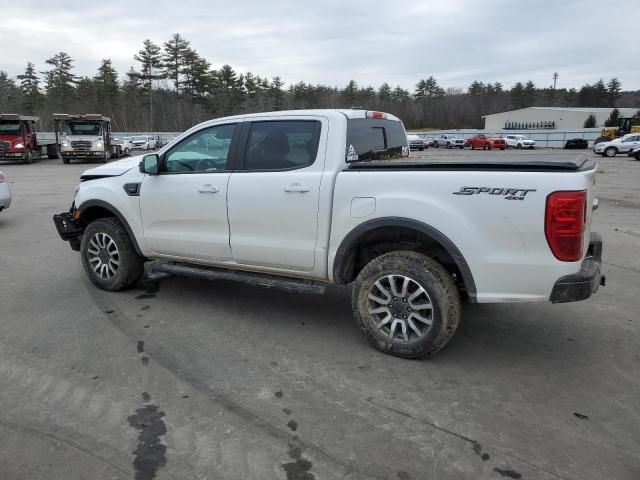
x=150 y=164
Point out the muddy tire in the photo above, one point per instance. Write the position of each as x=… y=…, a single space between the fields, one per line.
x=65 y=161
x=108 y=255
x=406 y=304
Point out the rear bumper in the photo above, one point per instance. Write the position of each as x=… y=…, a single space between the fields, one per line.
x=581 y=285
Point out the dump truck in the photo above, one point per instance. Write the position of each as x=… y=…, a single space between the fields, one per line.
x=19 y=140
x=85 y=137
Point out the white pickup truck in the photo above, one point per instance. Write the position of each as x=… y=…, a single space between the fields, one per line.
x=301 y=199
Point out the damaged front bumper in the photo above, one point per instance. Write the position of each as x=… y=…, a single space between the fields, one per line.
x=581 y=285
x=69 y=228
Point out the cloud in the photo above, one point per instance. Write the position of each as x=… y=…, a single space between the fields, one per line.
x=332 y=42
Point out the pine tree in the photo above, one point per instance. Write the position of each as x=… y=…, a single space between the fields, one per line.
x=173 y=58
x=59 y=81
x=30 y=87
x=613 y=88
x=590 y=122
x=8 y=91
x=529 y=94
x=612 y=121
x=517 y=95
x=106 y=85
x=276 y=93
x=150 y=59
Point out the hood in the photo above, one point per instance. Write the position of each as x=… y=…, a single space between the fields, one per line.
x=112 y=169
x=10 y=137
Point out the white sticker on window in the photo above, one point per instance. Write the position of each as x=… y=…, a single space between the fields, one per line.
x=352 y=156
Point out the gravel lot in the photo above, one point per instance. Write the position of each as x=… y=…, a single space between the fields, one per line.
x=187 y=379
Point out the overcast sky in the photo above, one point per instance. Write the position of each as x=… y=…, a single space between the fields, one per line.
x=333 y=41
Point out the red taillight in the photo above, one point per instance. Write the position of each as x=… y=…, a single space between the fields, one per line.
x=564 y=224
x=375 y=115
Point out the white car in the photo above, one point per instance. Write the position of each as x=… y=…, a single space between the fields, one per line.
x=519 y=141
x=126 y=146
x=448 y=141
x=619 y=145
x=5 y=192
x=309 y=198
x=141 y=142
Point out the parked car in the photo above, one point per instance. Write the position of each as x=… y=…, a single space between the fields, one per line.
x=519 y=141
x=125 y=144
x=141 y=142
x=415 y=142
x=576 y=143
x=619 y=145
x=154 y=141
x=336 y=206
x=428 y=142
x=486 y=142
x=448 y=141
x=5 y=192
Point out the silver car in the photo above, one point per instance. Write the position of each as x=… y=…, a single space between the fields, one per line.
x=5 y=192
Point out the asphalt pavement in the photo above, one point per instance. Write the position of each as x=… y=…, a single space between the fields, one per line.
x=188 y=379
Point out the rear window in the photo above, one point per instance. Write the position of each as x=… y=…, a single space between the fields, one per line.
x=375 y=139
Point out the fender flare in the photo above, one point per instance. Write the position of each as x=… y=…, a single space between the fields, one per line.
x=116 y=213
x=352 y=237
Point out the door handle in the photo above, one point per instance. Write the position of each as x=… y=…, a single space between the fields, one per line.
x=296 y=188
x=208 y=189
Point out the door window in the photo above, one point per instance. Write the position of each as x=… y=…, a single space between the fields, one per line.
x=205 y=151
x=282 y=145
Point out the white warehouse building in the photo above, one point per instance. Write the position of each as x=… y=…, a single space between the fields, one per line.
x=551 y=118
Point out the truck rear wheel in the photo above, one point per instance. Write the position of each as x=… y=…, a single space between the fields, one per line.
x=108 y=255
x=406 y=304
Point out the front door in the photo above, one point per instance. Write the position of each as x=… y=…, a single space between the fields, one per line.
x=184 y=207
x=274 y=195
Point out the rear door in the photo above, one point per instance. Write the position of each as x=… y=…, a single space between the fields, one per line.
x=274 y=193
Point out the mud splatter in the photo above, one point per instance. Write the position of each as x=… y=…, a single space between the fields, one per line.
x=278 y=394
x=145 y=360
x=150 y=454
x=508 y=473
x=299 y=468
x=140 y=346
x=293 y=425
x=402 y=475
x=146 y=398
x=287 y=411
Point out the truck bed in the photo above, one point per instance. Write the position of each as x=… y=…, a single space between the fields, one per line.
x=518 y=163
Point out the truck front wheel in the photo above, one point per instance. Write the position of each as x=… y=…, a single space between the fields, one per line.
x=406 y=304
x=108 y=255
x=28 y=157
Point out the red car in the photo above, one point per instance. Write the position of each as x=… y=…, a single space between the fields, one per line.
x=486 y=142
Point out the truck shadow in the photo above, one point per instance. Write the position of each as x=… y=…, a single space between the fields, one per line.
x=500 y=334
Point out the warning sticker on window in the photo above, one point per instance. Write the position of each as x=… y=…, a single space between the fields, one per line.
x=352 y=156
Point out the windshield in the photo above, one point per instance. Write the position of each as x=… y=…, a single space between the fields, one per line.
x=83 y=128
x=10 y=128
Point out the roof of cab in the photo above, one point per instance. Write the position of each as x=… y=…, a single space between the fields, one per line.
x=346 y=112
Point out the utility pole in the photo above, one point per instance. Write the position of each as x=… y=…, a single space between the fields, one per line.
x=555 y=79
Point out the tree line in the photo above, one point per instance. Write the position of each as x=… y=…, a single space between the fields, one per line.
x=174 y=87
